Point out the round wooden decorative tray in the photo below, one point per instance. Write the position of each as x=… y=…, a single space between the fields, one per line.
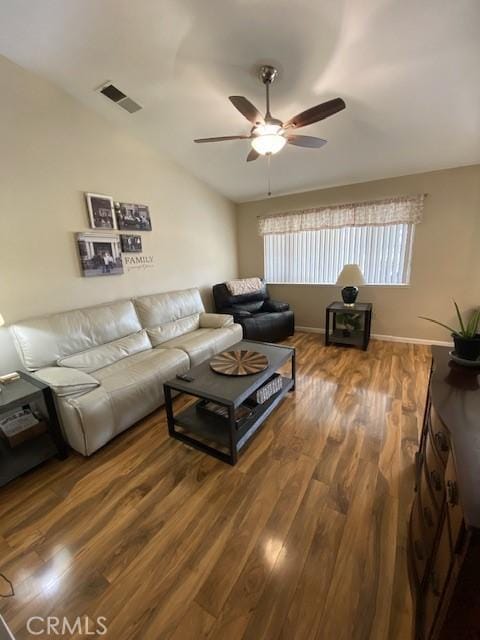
x=239 y=363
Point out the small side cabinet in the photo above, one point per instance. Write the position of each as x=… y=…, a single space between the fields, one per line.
x=16 y=461
x=444 y=533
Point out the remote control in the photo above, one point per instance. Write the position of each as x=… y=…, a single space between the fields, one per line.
x=185 y=377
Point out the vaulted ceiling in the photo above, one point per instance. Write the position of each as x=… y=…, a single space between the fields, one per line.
x=407 y=69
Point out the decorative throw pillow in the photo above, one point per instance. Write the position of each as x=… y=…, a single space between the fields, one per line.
x=245 y=285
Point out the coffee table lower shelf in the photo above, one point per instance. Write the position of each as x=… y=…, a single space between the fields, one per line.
x=216 y=431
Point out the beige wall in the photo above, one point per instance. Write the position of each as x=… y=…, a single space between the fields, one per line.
x=445 y=252
x=52 y=150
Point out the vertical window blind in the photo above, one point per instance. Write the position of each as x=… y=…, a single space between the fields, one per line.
x=317 y=257
x=312 y=246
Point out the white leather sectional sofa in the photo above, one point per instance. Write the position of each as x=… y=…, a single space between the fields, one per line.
x=107 y=364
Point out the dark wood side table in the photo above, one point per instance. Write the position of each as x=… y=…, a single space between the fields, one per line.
x=360 y=337
x=17 y=460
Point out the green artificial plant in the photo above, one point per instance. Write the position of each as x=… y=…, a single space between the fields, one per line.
x=467 y=329
x=351 y=321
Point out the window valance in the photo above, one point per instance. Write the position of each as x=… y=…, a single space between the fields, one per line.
x=400 y=210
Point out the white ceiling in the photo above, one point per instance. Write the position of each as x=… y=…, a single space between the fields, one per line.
x=407 y=69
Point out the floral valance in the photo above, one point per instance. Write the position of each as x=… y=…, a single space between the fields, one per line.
x=400 y=210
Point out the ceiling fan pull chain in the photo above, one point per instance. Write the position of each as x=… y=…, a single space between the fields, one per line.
x=268 y=174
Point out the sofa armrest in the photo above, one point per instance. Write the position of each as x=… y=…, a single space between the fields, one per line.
x=215 y=320
x=65 y=381
x=275 y=306
x=238 y=314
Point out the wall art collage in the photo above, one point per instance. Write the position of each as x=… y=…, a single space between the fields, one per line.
x=101 y=249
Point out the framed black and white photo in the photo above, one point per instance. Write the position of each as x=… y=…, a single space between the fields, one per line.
x=131 y=244
x=133 y=217
x=100 y=254
x=100 y=211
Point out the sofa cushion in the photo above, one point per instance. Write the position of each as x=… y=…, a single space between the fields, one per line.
x=42 y=341
x=273 y=306
x=106 y=354
x=140 y=367
x=168 y=315
x=130 y=389
x=203 y=344
x=67 y=382
x=251 y=307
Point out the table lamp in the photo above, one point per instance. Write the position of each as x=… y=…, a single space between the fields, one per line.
x=8 y=377
x=350 y=278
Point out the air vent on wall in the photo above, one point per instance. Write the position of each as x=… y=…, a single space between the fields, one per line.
x=114 y=94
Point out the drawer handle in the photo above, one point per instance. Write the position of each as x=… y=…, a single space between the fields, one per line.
x=418 y=468
x=428 y=516
x=441 y=440
x=434 y=584
x=436 y=480
x=418 y=550
x=452 y=493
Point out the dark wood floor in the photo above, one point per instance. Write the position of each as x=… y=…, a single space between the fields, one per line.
x=303 y=540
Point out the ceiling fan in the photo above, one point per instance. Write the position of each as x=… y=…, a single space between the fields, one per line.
x=268 y=134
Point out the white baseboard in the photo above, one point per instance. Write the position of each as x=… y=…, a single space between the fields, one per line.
x=379 y=336
x=309 y=329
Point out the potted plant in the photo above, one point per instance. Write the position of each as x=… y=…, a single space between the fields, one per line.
x=351 y=323
x=466 y=338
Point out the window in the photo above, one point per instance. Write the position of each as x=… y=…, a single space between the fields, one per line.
x=312 y=246
x=317 y=257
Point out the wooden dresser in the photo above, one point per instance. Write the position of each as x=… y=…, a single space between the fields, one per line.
x=444 y=535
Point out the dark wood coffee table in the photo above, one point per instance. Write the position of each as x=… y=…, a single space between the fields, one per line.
x=222 y=437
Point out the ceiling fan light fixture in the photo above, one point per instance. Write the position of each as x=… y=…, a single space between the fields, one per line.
x=268 y=143
x=269 y=128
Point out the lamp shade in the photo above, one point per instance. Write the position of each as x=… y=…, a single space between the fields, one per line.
x=351 y=276
x=2 y=321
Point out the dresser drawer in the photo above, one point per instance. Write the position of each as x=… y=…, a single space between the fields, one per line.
x=435 y=470
x=440 y=436
x=430 y=513
x=445 y=519
x=437 y=579
x=454 y=510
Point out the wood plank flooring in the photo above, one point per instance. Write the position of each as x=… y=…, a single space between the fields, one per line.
x=305 y=539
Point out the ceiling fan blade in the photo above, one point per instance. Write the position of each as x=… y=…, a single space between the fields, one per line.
x=253 y=155
x=314 y=114
x=222 y=138
x=247 y=109
x=306 y=141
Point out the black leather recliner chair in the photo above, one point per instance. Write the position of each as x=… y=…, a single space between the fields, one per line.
x=261 y=318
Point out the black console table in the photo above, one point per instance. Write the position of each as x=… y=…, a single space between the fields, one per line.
x=357 y=335
x=17 y=460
